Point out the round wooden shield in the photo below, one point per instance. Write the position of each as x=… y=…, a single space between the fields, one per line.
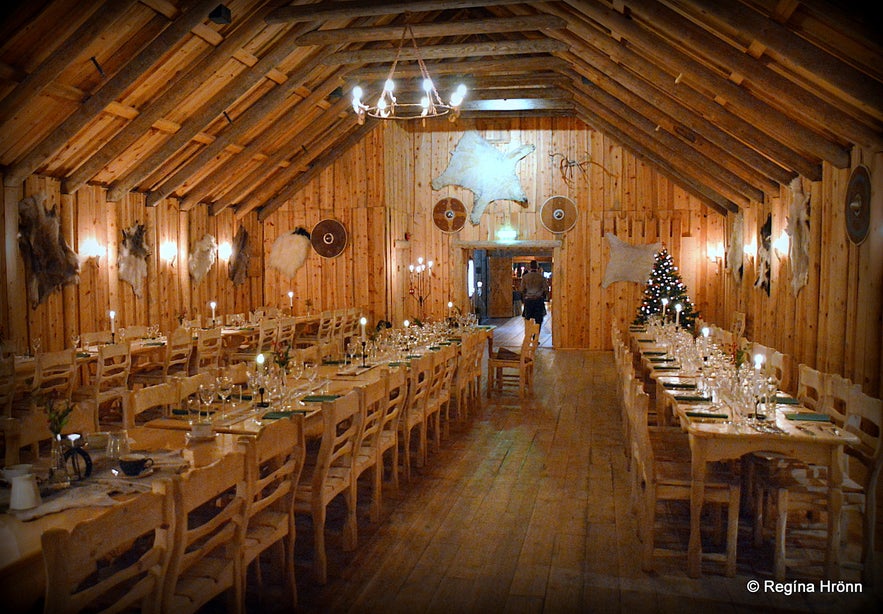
x=558 y=214
x=858 y=204
x=449 y=215
x=328 y=238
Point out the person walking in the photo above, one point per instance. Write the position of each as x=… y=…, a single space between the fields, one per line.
x=534 y=288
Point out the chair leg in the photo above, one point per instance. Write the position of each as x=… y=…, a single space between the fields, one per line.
x=351 y=527
x=377 y=500
x=648 y=522
x=779 y=560
x=395 y=465
x=732 y=530
x=320 y=561
x=406 y=454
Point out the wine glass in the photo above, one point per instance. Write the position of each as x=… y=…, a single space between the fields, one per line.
x=206 y=396
x=75 y=340
x=311 y=370
x=225 y=389
x=36 y=344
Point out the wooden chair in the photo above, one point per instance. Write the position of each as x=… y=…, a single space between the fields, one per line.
x=163 y=396
x=414 y=412
x=285 y=335
x=137 y=331
x=279 y=450
x=396 y=397
x=54 y=375
x=837 y=393
x=132 y=543
x=101 y=337
x=175 y=362
x=450 y=357
x=670 y=480
x=330 y=476
x=263 y=343
x=110 y=384
x=208 y=351
x=367 y=458
x=810 y=387
x=433 y=406
x=522 y=363
x=210 y=520
x=738 y=325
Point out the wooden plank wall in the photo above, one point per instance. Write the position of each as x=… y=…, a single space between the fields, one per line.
x=834 y=323
x=614 y=192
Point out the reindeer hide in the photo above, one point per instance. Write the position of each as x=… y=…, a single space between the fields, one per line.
x=241 y=257
x=290 y=251
x=202 y=258
x=629 y=262
x=736 y=249
x=798 y=232
x=485 y=171
x=133 y=257
x=764 y=251
x=49 y=260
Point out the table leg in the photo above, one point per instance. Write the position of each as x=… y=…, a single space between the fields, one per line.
x=835 y=504
x=697 y=496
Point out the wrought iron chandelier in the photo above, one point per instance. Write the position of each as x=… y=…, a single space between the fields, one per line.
x=388 y=107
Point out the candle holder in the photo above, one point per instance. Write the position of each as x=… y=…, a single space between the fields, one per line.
x=364 y=345
x=420 y=283
x=113 y=338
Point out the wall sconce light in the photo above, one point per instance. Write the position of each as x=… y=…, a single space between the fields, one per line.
x=716 y=252
x=750 y=250
x=168 y=251
x=781 y=244
x=91 y=248
x=225 y=251
x=506 y=234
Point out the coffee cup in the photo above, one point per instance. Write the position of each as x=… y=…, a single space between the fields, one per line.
x=135 y=464
x=25 y=492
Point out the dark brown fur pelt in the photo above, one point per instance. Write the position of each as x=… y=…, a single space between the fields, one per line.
x=49 y=260
x=241 y=257
x=133 y=257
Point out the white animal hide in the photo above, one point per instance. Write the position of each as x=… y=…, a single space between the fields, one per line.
x=485 y=171
x=764 y=251
x=133 y=257
x=629 y=262
x=203 y=257
x=290 y=251
x=241 y=258
x=798 y=232
x=736 y=249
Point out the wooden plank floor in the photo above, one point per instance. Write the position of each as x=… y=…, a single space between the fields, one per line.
x=526 y=509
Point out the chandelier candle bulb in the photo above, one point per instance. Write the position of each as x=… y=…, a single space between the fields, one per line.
x=113 y=315
x=664 y=306
x=213 y=305
x=678 y=309
x=290 y=298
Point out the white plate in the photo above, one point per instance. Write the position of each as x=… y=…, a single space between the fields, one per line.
x=192 y=438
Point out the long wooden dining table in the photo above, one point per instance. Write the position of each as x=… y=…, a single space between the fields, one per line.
x=722 y=432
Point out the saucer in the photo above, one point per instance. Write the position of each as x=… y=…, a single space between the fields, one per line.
x=143 y=474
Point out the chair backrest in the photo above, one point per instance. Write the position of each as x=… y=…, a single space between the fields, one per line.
x=285 y=334
x=114 y=363
x=7 y=384
x=837 y=393
x=54 y=375
x=307 y=354
x=342 y=424
x=267 y=334
x=137 y=332
x=637 y=406
x=776 y=362
x=163 y=395
x=188 y=386
x=531 y=340
x=810 y=387
x=210 y=518
x=373 y=403
x=134 y=535
x=178 y=349
x=326 y=325
x=396 y=397
x=419 y=381
x=864 y=418
x=437 y=375
x=237 y=372
x=738 y=325
x=208 y=348
x=279 y=451
x=100 y=337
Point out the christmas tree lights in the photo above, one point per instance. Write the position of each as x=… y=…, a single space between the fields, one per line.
x=665 y=290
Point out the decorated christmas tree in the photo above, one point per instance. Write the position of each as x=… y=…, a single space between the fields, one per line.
x=665 y=283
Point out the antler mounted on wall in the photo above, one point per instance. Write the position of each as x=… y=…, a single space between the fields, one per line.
x=566 y=166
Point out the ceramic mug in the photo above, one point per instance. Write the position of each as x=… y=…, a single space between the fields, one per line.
x=135 y=464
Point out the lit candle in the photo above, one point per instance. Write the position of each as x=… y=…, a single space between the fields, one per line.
x=213 y=304
x=113 y=315
x=758 y=361
x=678 y=309
x=664 y=306
x=706 y=331
x=407 y=323
x=260 y=360
x=450 y=306
x=362 y=321
x=291 y=298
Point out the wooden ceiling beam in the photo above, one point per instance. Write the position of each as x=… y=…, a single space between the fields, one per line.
x=109 y=92
x=36 y=81
x=712 y=173
x=319 y=164
x=795 y=52
x=252 y=116
x=366 y=8
x=765 y=83
x=454 y=50
x=468 y=27
x=175 y=94
x=709 y=197
x=219 y=182
x=495 y=66
x=786 y=129
x=682 y=92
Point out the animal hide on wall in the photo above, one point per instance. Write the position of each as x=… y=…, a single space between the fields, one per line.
x=49 y=260
x=764 y=247
x=797 y=230
x=485 y=171
x=202 y=258
x=290 y=251
x=629 y=262
x=241 y=257
x=735 y=251
x=133 y=257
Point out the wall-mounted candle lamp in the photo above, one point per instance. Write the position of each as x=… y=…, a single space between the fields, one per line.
x=168 y=251
x=225 y=251
x=91 y=249
x=781 y=244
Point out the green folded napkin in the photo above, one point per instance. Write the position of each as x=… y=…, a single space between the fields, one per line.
x=691 y=397
x=703 y=414
x=662 y=359
x=677 y=386
x=246 y=397
x=180 y=412
x=787 y=401
x=647 y=340
x=809 y=415
x=455 y=338
x=413 y=356
x=333 y=362
x=276 y=415
x=320 y=398
x=397 y=363
x=444 y=343
x=434 y=348
x=662 y=368
x=83 y=354
x=153 y=343
x=655 y=352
